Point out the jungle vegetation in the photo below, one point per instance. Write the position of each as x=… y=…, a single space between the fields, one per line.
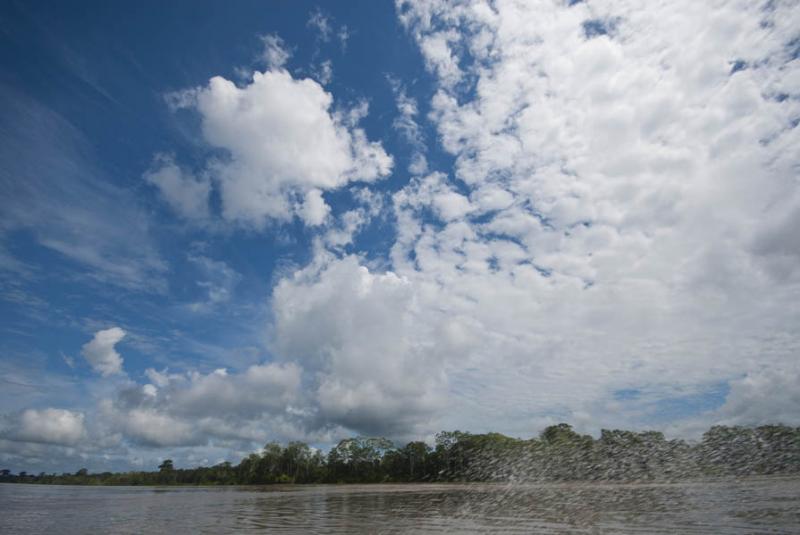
x=558 y=454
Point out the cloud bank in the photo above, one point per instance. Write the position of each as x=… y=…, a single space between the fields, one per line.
x=616 y=221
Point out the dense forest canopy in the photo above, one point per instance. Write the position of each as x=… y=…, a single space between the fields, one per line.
x=558 y=454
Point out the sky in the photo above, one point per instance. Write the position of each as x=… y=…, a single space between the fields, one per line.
x=228 y=224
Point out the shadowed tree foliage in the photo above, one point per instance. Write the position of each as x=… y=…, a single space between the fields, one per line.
x=166 y=472
x=558 y=454
x=358 y=460
x=413 y=462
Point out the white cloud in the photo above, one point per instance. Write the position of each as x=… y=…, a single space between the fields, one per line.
x=356 y=336
x=434 y=192
x=776 y=243
x=194 y=408
x=217 y=278
x=47 y=426
x=275 y=55
x=261 y=388
x=440 y=57
x=314 y=210
x=159 y=378
x=184 y=192
x=152 y=428
x=763 y=396
x=324 y=72
x=621 y=217
x=351 y=222
x=320 y=22
x=282 y=140
x=324 y=26
x=406 y=124
x=101 y=354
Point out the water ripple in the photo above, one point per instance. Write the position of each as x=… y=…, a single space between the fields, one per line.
x=765 y=505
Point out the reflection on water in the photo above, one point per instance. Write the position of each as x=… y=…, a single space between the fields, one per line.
x=744 y=506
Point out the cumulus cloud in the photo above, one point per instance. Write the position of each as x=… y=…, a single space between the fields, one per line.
x=762 y=396
x=45 y=426
x=192 y=408
x=355 y=334
x=260 y=388
x=101 y=353
x=283 y=146
x=153 y=428
x=314 y=209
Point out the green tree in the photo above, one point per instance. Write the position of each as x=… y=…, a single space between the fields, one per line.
x=166 y=472
x=358 y=459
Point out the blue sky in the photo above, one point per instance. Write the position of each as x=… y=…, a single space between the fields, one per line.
x=111 y=111
x=223 y=225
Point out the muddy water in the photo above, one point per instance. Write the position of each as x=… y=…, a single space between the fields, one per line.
x=766 y=505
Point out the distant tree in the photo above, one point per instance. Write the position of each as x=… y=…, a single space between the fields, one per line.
x=83 y=472
x=729 y=450
x=296 y=460
x=416 y=455
x=269 y=466
x=358 y=459
x=779 y=450
x=559 y=433
x=247 y=470
x=449 y=458
x=166 y=472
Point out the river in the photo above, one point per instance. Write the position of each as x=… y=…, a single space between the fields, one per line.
x=754 y=505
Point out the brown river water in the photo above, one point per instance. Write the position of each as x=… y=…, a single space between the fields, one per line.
x=753 y=505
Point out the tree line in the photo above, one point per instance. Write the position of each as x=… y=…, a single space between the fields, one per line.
x=558 y=454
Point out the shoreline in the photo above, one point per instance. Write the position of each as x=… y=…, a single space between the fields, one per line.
x=693 y=481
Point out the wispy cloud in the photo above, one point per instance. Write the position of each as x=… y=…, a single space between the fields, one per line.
x=53 y=189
